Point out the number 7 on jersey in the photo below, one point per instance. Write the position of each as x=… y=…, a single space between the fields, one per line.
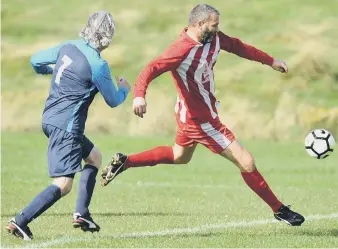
x=66 y=62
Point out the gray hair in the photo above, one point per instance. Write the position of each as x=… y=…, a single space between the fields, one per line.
x=201 y=12
x=99 y=30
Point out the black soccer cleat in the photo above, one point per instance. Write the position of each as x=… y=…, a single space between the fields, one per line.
x=20 y=232
x=86 y=223
x=114 y=167
x=290 y=217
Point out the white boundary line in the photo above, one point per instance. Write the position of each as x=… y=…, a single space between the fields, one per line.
x=176 y=231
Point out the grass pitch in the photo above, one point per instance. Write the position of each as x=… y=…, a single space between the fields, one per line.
x=203 y=204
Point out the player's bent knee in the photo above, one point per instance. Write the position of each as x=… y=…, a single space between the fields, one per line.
x=181 y=160
x=64 y=183
x=94 y=158
x=247 y=165
x=183 y=155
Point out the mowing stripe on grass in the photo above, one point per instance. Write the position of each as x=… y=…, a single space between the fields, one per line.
x=147 y=184
x=175 y=231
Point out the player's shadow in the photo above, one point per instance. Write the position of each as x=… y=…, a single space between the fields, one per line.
x=138 y=214
x=113 y=214
x=210 y=235
x=327 y=232
x=214 y=234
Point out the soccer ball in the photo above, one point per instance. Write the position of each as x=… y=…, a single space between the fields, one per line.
x=319 y=143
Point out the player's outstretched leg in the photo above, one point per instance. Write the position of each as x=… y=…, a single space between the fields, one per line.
x=120 y=162
x=93 y=159
x=159 y=155
x=18 y=226
x=245 y=162
x=115 y=166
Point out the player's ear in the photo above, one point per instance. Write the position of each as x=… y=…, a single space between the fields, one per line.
x=200 y=24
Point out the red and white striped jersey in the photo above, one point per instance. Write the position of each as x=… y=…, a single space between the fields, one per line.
x=192 y=67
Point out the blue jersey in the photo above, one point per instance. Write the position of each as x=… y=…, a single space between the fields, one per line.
x=79 y=74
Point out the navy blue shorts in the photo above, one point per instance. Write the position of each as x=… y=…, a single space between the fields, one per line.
x=65 y=151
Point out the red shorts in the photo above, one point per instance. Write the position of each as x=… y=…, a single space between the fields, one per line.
x=213 y=135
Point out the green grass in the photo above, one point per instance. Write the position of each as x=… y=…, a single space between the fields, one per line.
x=208 y=191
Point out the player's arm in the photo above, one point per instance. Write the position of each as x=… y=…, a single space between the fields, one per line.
x=237 y=47
x=169 y=60
x=41 y=60
x=103 y=81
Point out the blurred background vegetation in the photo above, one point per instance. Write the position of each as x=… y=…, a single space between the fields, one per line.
x=256 y=102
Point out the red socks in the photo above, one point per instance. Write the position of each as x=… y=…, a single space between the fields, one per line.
x=165 y=155
x=257 y=183
x=158 y=155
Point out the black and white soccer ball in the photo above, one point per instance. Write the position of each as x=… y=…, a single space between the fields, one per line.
x=319 y=143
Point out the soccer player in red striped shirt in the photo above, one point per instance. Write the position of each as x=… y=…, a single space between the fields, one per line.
x=191 y=60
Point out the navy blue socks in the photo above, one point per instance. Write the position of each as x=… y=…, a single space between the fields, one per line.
x=86 y=189
x=39 y=204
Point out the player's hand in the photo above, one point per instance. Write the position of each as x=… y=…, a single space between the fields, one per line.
x=122 y=82
x=280 y=66
x=139 y=106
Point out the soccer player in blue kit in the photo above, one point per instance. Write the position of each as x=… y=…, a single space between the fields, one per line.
x=79 y=74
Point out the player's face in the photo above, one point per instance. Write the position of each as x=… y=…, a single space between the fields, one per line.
x=209 y=28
